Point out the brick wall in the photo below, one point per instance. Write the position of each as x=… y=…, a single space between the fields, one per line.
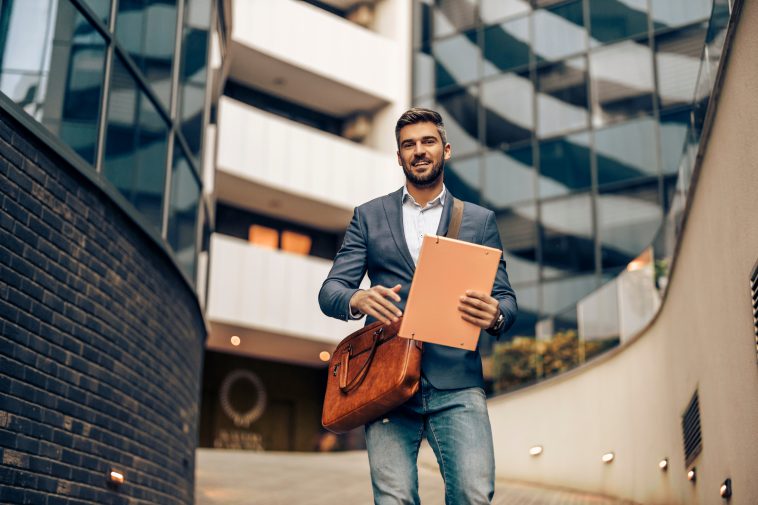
x=101 y=342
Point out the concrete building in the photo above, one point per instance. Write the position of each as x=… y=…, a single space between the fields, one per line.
x=304 y=132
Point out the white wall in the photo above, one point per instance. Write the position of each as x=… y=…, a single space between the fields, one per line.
x=325 y=44
x=270 y=290
x=267 y=149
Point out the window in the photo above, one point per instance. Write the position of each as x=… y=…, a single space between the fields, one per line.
x=183 y=211
x=135 y=146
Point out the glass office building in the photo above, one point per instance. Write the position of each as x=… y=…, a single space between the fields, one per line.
x=123 y=84
x=568 y=119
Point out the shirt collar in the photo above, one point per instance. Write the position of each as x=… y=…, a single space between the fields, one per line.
x=439 y=199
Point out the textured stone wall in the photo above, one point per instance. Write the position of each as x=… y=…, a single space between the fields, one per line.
x=101 y=342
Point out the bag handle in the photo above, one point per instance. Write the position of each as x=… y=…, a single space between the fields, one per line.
x=358 y=379
x=455 y=219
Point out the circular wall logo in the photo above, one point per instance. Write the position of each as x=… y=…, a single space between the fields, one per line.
x=246 y=418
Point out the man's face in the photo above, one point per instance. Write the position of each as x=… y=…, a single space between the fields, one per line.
x=422 y=154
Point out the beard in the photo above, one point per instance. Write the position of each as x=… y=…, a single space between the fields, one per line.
x=425 y=180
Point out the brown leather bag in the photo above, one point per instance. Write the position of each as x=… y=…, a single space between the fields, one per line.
x=372 y=371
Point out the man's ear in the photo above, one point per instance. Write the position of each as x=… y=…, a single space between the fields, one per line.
x=447 y=151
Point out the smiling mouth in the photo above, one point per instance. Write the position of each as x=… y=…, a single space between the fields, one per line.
x=422 y=163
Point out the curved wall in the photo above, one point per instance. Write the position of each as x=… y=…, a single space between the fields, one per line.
x=631 y=400
x=101 y=345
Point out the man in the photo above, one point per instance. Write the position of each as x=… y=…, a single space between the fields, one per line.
x=384 y=238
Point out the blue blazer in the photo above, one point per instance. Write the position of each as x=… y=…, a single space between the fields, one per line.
x=375 y=242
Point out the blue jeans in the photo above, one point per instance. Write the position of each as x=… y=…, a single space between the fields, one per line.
x=458 y=429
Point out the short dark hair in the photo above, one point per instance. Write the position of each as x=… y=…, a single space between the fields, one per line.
x=420 y=115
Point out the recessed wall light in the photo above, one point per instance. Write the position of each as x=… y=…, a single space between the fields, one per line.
x=692 y=474
x=608 y=457
x=536 y=450
x=726 y=489
x=235 y=340
x=663 y=464
x=116 y=477
x=324 y=356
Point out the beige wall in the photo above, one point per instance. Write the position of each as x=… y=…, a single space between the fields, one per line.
x=631 y=402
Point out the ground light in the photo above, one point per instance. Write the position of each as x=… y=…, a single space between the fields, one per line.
x=663 y=464
x=726 y=489
x=536 y=450
x=692 y=475
x=608 y=457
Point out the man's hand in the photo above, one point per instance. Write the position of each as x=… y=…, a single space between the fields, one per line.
x=375 y=302
x=479 y=308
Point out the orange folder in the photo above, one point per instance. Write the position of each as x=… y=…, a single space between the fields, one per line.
x=446 y=269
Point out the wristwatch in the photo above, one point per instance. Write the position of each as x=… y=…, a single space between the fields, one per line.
x=499 y=322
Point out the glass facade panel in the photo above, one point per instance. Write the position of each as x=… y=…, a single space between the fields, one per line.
x=559 y=31
x=494 y=11
x=622 y=81
x=673 y=131
x=463 y=178
x=101 y=9
x=612 y=20
x=559 y=294
x=453 y=16
x=508 y=177
x=135 y=146
x=567 y=236
x=667 y=13
x=422 y=23
x=456 y=60
x=627 y=220
x=562 y=101
x=183 y=212
x=147 y=30
x=677 y=58
x=54 y=69
x=506 y=46
x=508 y=109
x=518 y=232
x=626 y=151
x=194 y=73
x=564 y=165
x=461 y=112
x=423 y=74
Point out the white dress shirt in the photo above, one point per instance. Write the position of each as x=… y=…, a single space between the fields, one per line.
x=418 y=221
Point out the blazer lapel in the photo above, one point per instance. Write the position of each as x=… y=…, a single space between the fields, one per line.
x=447 y=211
x=393 y=208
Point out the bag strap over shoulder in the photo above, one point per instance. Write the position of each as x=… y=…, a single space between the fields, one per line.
x=455 y=219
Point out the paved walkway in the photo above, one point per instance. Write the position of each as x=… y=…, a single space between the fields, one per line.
x=267 y=478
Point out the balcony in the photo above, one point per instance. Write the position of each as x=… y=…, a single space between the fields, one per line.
x=306 y=55
x=278 y=167
x=269 y=299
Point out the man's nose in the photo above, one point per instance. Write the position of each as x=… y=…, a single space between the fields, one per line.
x=418 y=149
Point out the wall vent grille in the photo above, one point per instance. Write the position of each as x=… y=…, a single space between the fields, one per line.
x=754 y=292
x=693 y=440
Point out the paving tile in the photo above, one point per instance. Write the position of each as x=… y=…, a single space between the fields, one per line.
x=275 y=478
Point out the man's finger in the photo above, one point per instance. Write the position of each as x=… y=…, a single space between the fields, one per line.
x=475 y=321
x=390 y=293
x=475 y=312
x=387 y=314
x=378 y=298
x=485 y=297
x=376 y=314
x=475 y=302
